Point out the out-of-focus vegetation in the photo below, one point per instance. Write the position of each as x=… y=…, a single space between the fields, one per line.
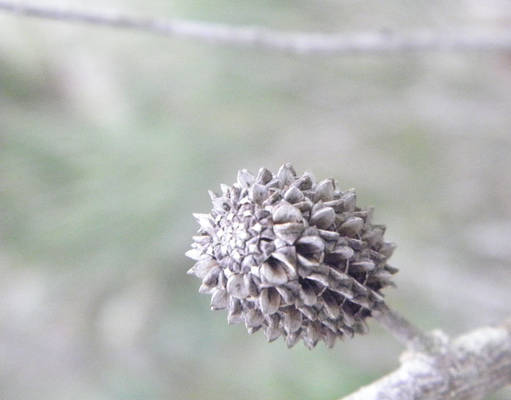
x=109 y=141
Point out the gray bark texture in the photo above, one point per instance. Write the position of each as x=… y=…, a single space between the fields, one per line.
x=469 y=367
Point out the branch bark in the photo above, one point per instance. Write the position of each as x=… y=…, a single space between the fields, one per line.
x=382 y=42
x=470 y=367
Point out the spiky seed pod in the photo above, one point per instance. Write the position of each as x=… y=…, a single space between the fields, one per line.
x=294 y=257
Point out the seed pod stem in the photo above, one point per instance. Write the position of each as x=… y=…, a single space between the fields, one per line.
x=403 y=330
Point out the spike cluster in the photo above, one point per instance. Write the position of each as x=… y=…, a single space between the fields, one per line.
x=294 y=257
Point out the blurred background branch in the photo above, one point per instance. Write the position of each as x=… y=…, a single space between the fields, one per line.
x=383 y=42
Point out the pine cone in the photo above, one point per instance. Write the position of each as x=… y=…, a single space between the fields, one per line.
x=292 y=256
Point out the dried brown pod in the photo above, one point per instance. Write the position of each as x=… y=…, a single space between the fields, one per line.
x=292 y=256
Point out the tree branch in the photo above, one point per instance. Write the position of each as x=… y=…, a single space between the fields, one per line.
x=469 y=368
x=296 y=43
